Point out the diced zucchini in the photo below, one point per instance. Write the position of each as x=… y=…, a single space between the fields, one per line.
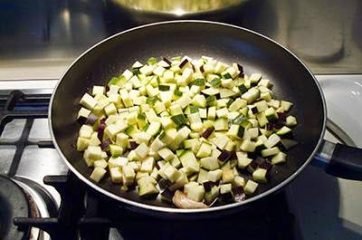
x=147 y=187
x=116 y=174
x=97 y=174
x=147 y=164
x=88 y=101
x=117 y=162
x=279 y=158
x=270 y=151
x=82 y=143
x=250 y=187
x=214 y=175
x=221 y=124
x=142 y=150
x=251 y=95
x=100 y=163
x=202 y=177
x=286 y=105
x=85 y=131
x=227 y=175
x=259 y=175
x=115 y=150
x=273 y=140
x=243 y=161
x=204 y=150
x=190 y=162
x=209 y=163
x=271 y=114
x=284 y=131
x=128 y=175
x=247 y=146
x=194 y=191
x=291 y=121
x=166 y=154
x=238 y=181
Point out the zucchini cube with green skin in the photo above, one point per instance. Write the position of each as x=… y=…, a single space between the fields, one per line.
x=259 y=175
x=194 y=191
x=154 y=128
x=182 y=134
x=168 y=136
x=279 y=158
x=261 y=106
x=190 y=162
x=147 y=164
x=166 y=154
x=97 y=174
x=214 y=175
x=115 y=150
x=116 y=174
x=211 y=195
x=211 y=113
x=209 y=163
x=147 y=187
x=250 y=187
x=204 y=150
x=271 y=114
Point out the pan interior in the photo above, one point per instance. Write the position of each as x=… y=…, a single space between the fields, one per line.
x=292 y=81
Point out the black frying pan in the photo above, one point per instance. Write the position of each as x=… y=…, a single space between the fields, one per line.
x=292 y=81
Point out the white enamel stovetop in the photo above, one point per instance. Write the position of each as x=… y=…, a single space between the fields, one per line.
x=327 y=207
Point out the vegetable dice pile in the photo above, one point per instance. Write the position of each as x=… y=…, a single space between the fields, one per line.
x=193 y=132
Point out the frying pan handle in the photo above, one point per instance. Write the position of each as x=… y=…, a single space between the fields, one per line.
x=340 y=160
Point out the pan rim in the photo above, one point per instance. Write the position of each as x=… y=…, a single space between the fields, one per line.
x=178 y=210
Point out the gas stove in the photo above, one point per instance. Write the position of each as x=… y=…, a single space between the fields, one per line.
x=69 y=210
x=39 y=40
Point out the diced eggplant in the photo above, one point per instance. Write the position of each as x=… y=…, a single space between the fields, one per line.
x=207 y=132
x=238 y=193
x=167 y=195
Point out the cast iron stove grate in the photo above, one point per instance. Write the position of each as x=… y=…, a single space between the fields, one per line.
x=85 y=215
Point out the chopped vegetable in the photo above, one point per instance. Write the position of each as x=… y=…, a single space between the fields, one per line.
x=190 y=129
